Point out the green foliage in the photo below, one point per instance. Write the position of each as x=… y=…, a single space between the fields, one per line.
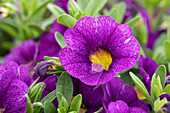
x=37 y=107
x=65 y=87
x=29 y=105
x=50 y=97
x=158 y=104
x=133 y=21
x=161 y=72
x=67 y=20
x=62 y=101
x=76 y=103
x=57 y=11
x=49 y=108
x=60 y=40
x=141 y=87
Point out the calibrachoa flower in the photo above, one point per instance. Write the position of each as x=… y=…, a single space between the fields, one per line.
x=92 y=96
x=147 y=68
x=26 y=54
x=122 y=98
x=14 y=81
x=98 y=49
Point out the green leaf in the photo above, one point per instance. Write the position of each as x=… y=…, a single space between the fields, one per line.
x=39 y=9
x=141 y=87
x=56 y=59
x=73 y=8
x=37 y=107
x=167 y=89
x=67 y=20
x=61 y=110
x=168 y=33
x=115 y=13
x=62 y=101
x=133 y=21
x=36 y=29
x=158 y=93
x=76 y=103
x=57 y=11
x=161 y=71
x=40 y=90
x=158 y=104
x=11 y=31
x=99 y=110
x=33 y=84
x=49 y=108
x=153 y=92
x=65 y=86
x=60 y=39
x=29 y=105
x=50 y=97
x=33 y=92
x=122 y=6
x=54 y=72
x=82 y=4
x=94 y=6
x=166 y=49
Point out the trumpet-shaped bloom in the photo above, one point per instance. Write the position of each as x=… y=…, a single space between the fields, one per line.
x=98 y=49
x=14 y=81
x=122 y=98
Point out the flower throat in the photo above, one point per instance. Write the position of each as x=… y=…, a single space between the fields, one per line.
x=102 y=57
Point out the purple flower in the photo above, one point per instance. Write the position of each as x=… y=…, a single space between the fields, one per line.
x=165 y=96
x=26 y=54
x=14 y=82
x=92 y=96
x=122 y=98
x=98 y=49
x=48 y=45
x=147 y=68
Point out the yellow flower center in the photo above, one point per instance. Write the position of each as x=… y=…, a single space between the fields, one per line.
x=102 y=57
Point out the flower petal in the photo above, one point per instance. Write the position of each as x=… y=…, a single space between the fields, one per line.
x=14 y=97
x=140 y=104
x=136 y=110
x=111 y=91
x=127 y=94
x=118 y=107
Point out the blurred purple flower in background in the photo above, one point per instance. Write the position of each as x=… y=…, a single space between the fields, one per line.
x=48 y=45
x=122 y=98
x=147 y=68
x=62 y=4
x=14 y=82
x=98 y=49
x=25 y=53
